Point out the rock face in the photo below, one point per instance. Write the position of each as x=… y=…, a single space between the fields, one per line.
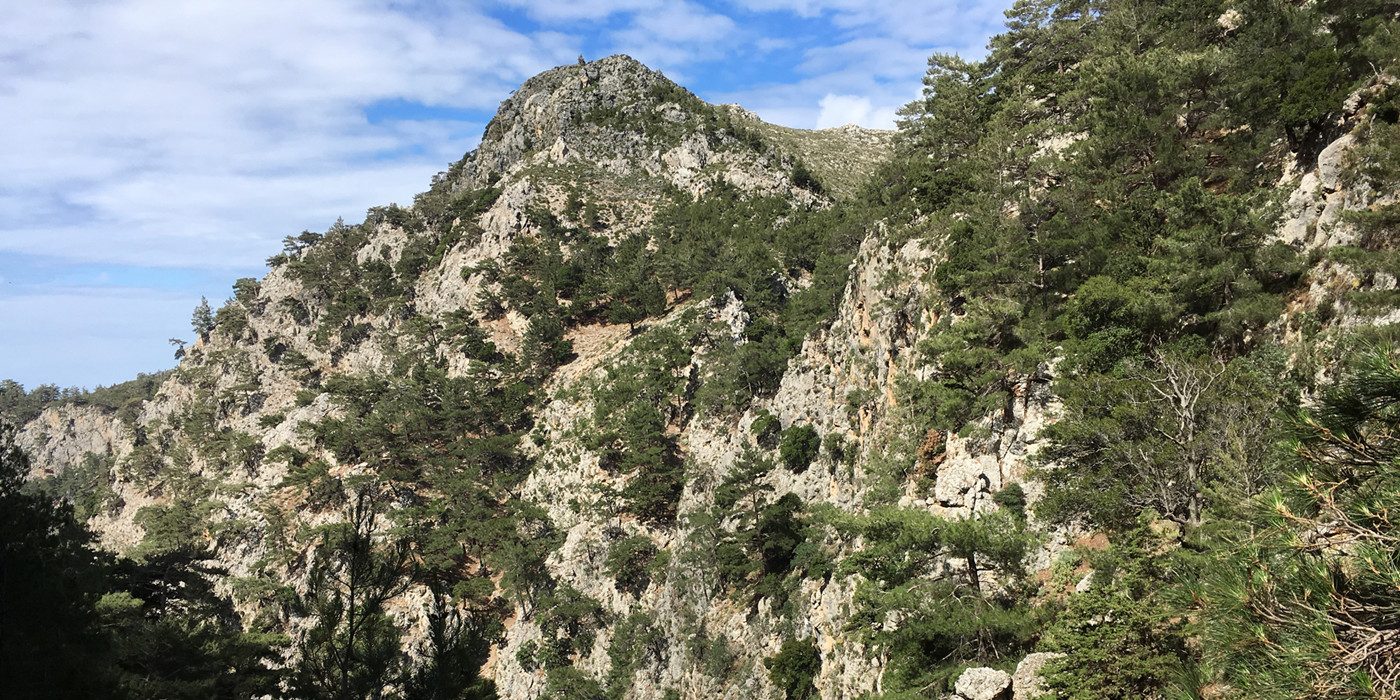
x=67 y=435
x=623 y=137
x=984 y=684
x=587 y=116
x=1320 y=213
x=1027 y=681
x=1313 y=215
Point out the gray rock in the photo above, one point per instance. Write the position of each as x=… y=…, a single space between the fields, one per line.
x=1085 y=583
x=1330 y=161
x=984 y=684
x=1027 y=682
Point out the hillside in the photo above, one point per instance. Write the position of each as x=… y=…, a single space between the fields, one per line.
x=1081 y=383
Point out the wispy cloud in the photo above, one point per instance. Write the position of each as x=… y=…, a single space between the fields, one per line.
x=677 y=34
x=178 y=123
x=556 y=12
x=871 y=62
x=963 y=23
x=145 y=134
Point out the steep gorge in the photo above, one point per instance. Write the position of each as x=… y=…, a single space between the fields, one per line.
x=637 y=387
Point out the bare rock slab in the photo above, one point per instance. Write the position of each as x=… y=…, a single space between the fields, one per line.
x=984 y=684
x=1027 y=681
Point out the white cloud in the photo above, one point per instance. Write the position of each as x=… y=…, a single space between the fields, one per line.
x=195 y=135
x=178 y=124
x=872 y=61
x=683 y=22
x=555 y=11
x=839 y=110
x=867 y=62
x=676 y=35
x=964 y=23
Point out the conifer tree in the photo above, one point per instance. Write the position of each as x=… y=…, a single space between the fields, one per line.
x=352 y=650
x=1301 y=600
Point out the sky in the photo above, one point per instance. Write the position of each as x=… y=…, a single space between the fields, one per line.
x=154 y=151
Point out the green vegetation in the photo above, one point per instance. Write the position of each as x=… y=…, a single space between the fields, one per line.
x=1100 y=193
x=569 y=622
x=631 y=562
x=82 y=623
x=794 y=667
x=636 y=640
x=20 y=407
x=766 y=429
x=760 y=547
x=354 y=648
x=1103 y=187
x=947 y=623
x=798 y=447
x=1123 y=638
x=637 y=402
x=1300 y=588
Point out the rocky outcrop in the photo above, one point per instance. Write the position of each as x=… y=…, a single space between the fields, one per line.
x=67 y=435
x=587 y=116
x=1313 y=214
x=983 y=684
x=251 y=388
x=1027 y=681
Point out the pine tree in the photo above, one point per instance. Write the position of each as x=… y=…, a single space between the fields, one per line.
x=352 y=650
x=1301 y=599
x=202 y=320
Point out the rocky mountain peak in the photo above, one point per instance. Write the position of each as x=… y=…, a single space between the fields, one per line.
x=597 y=106
x=679 y=404
x=617 y=119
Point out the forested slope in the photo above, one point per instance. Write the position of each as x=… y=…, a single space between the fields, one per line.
x=1093 y=379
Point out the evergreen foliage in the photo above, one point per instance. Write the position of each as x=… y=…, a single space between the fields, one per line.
x=946 y=621
x=1123 y=638
x=202 y=320
x=630 y=563
x=766 y=429
x=1102 y=186
x=1164 y=435
x=19 y=406
x=352 y=651
x=1300 y=598
x=798 y=447
x=794 y=668
x=1101 y=189
x=50 y=586
x=75 y=622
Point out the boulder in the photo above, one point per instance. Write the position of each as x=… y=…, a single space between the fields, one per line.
x=1331 y=163
x=984 y=684
x=1026 y=682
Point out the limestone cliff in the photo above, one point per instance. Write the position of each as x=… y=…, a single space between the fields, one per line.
x=606 y=146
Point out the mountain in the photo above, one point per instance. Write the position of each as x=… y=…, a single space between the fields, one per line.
x=646 y=398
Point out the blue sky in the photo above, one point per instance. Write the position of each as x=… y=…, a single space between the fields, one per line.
x=154 y=151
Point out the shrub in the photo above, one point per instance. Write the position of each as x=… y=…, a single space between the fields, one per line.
x=799 y=447
x=794 y=669
x=835 y=446
x=629 y=563
x=525 y=655
x=569 y=683
x=766 y=428
x=1012 y=497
